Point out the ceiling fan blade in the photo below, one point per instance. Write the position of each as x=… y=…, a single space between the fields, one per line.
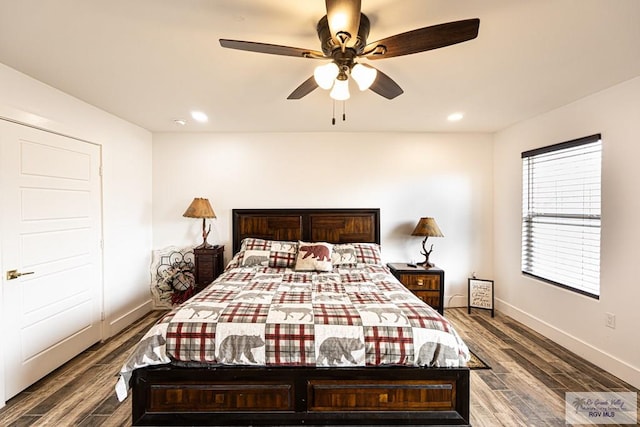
x=304 y=89
x=273 y=49
x=384 y=86
x=423 y=39
x=344 y=16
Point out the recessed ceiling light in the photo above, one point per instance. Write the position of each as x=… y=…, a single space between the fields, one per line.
x=454 y=117
x=199 y=116
x=180 y=122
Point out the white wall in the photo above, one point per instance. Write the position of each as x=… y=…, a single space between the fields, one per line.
x=406 y=175
x=578 y=322
x=126 y=156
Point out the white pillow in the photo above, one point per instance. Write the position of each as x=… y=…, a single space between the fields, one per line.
x=314 y=256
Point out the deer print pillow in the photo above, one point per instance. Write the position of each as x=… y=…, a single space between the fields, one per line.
x=314 y=257
x=344 y=255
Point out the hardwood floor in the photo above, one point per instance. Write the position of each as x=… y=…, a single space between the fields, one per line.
x=529 y=373
x=81 y=392
x=525 y=386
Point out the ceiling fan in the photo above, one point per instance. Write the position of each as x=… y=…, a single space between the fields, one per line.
x=343 y=33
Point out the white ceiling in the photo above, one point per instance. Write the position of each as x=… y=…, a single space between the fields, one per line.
x=153 y=61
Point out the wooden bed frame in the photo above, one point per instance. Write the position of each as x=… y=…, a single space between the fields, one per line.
x=169 y=395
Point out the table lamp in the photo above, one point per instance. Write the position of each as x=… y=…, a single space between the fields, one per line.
x=201 y=208
x=427 y=227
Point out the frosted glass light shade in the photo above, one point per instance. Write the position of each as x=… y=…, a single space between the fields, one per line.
x=364 y=75
x=326 y=74
x=340 y=91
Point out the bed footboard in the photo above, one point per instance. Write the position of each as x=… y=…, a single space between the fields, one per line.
x=300 y=396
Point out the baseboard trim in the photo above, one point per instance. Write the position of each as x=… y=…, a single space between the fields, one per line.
x=118 y=324
x=598 y=357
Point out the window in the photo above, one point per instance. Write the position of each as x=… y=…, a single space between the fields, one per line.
x=561 y=214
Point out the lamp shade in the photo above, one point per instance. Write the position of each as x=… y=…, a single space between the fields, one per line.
x=427 y=227
x=340 y=91
x=326 y=74
x=364 y=75
x=199 y=208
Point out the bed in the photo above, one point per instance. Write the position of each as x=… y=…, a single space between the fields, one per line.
x=331 y=345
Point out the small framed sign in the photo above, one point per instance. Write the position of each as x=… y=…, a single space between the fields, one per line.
x=480 y=294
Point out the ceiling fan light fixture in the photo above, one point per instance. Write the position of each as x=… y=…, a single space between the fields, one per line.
x=364 y=75
x=343 y=34
x=326 y=74
x=340 y=91
x=339 y=19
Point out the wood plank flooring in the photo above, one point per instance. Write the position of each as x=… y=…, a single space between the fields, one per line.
x=529 y=373
x=525 y=386
x=81 y=392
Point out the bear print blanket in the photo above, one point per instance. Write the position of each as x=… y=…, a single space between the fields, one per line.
x=360 y=316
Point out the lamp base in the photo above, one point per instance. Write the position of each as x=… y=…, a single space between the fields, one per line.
x=205 y=234
x=426 y=253
x=205 y=245
x=426 y=264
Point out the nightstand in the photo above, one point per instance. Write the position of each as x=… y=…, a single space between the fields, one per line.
x=209 y=263
x=426 y=283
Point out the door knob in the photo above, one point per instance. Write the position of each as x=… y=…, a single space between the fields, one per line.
x=14 y=274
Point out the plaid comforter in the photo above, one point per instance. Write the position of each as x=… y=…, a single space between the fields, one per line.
x=360 y=316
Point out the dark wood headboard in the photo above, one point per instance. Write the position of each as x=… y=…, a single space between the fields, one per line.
x=311 y=225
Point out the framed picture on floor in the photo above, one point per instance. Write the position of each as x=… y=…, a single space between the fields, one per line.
x=480 y=294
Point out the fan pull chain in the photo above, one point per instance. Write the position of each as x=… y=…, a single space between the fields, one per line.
x=344 y=112
x=333 y=119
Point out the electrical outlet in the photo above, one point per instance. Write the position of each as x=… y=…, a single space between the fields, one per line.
x=610 y=322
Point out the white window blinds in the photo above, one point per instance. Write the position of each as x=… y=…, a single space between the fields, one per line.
x=561 y=214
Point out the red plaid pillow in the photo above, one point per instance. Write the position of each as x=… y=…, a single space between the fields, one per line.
x=368 y=253
x=255 y=244
x=280 y=253
x=251 y=244
x=283 y=254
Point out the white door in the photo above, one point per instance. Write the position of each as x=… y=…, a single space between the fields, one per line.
x=50 y=233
